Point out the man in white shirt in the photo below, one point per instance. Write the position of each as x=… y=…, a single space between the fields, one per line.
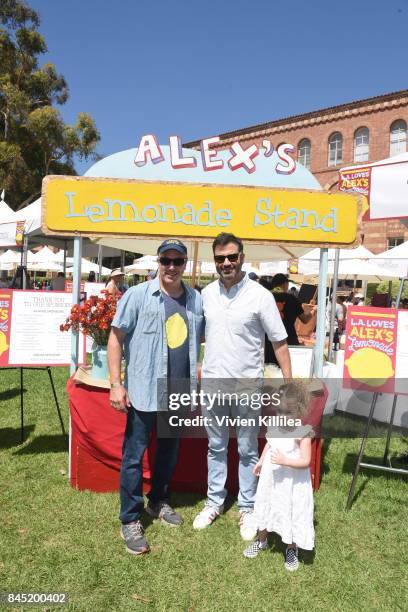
x=238 y=312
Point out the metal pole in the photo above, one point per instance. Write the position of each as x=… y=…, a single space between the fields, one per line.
x=100 y=262
x=76 y=295
x=122 y=261
x=333 y=302
x=24 y=270
x=65 y=257
x=321 y=316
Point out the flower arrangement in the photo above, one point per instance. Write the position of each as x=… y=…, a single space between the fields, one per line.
x=93 y=318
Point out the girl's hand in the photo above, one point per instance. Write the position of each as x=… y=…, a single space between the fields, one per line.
x=257 y=468
x=278 y=457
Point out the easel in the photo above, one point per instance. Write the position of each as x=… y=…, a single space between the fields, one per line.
x=48 y=369
x=374 y=466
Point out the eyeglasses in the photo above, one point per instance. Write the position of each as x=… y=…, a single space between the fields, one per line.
x=177 y=261
x=221 y=258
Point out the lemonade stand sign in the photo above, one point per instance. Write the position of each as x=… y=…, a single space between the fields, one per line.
x=375 y=353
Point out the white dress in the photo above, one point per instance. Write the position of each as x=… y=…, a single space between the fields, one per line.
x=284 y=498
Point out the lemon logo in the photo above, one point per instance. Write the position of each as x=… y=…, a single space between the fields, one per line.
x=3 y=343
x=369 y=366
x=176 y=331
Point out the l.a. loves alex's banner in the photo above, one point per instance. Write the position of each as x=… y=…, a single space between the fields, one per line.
x=93 y=206
x=376 y=349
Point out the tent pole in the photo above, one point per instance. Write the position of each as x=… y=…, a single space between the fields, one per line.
x=321 y=314
x=76 y=295
x=333 y=302
x=100 y=262
x=65 y=257
x=195 y=258
x=24 y=263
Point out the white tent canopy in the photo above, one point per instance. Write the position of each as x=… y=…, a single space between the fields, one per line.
x=88 y=266
x=45 y=255
x=395 y=260
x=253 y=252
x=358 y=253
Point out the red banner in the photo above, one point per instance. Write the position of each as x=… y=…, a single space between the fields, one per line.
x=5 y=322
x=356 y=180
x=371 y=348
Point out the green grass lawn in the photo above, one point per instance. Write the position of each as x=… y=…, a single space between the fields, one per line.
x=54 y=538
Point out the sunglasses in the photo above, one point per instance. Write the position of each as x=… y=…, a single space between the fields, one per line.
x=177 y=261
x=221 y=258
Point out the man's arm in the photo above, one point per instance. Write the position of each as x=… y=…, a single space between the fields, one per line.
x=118 y=396
x=283 y=358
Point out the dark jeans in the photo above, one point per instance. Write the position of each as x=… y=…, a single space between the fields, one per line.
x=139 y=427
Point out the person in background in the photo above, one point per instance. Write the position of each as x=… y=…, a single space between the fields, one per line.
x=253 y=276
x=151 y=275
x=92 y=277
x=58 y=283
x=290 y=309
x=115 y=285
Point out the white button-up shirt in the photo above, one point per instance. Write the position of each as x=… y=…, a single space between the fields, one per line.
x=236 y=323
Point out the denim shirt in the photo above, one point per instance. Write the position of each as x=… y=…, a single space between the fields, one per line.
x=140 y=315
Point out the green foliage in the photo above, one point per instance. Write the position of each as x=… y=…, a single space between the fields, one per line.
x=34 y=139
x=383 y=288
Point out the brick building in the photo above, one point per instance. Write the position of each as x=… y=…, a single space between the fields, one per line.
x=328 y=139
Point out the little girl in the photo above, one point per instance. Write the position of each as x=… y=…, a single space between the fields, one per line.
x=284 y=498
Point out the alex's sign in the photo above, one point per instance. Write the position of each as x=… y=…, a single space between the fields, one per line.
x=90 y=206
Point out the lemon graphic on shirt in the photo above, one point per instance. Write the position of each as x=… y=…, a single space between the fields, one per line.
x=369 y=366
x=176 y=331
x=3 y=343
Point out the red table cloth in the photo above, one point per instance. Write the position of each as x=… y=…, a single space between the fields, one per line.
x=96 y=446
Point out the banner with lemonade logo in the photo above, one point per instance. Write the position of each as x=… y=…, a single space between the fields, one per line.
x=370 y=357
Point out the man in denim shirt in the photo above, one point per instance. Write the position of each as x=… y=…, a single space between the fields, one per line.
x=159 y=325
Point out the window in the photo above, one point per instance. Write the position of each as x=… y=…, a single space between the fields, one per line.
x=304 y=150
x=398 y=137
x=361 y=142
x=393 y=242
x=335 y=149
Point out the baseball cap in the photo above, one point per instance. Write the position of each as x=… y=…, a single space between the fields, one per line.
x=172 y=244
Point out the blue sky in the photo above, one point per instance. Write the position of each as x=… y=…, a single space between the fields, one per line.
x=202 y=68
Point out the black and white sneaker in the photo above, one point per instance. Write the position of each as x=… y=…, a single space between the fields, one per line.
x=255 y=548
x=291 y=559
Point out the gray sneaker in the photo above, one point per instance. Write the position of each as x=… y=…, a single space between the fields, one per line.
x=163 y=511
x=133 y=534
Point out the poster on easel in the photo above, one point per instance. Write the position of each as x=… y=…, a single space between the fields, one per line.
x=30 y=329
x=376 y=350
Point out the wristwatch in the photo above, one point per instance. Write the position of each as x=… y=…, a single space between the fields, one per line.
x=115 y=384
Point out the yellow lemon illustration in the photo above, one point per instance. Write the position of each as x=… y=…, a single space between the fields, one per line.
x=176 y=331
x=3 y=343
x=369 y=366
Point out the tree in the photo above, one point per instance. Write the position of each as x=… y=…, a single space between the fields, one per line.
x=34 y=139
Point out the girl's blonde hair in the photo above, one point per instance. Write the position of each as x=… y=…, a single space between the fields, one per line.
x=296 y=391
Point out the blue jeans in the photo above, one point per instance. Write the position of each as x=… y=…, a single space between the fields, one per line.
x=217 y=458
x=139 y=427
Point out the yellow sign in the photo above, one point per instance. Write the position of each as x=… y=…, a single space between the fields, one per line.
x=95 y=206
